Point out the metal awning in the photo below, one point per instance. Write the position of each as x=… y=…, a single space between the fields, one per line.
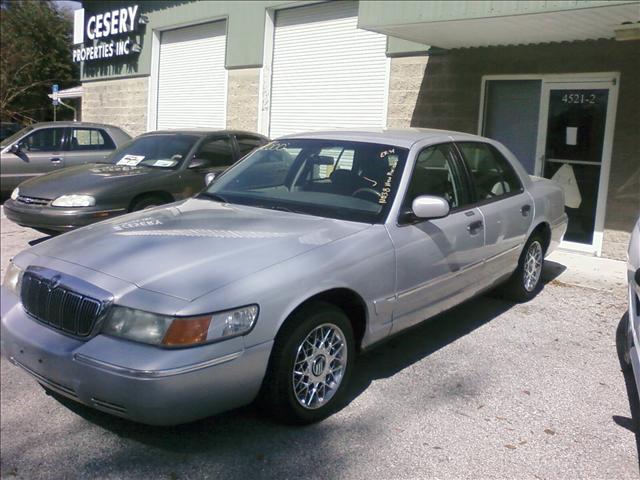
x=467 y=30
x=73 y=92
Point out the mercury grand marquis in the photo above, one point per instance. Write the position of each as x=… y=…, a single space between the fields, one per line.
x=268 y=283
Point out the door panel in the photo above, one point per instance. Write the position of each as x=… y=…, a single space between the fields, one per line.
x=87 y=145
x=439 y=261
x=40 y=153
x=573 y=148
x=506 y=224
x=507 y=210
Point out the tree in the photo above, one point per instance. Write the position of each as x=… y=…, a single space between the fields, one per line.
x=35 y=53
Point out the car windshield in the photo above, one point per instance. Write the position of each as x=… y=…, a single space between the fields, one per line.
x=338 y=179
x=12 y=138
x=158 y=151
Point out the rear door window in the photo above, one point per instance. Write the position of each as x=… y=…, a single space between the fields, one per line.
x=492 y=174
x=89 y=139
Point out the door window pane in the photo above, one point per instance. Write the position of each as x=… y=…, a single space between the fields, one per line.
x=435 y=174
x=217 y=153
x=44 y=140
x=511 y=117
x=575 y=129
x=491 y=173
x=90 y=139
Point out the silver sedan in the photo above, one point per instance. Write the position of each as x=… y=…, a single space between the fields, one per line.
x=313 y=248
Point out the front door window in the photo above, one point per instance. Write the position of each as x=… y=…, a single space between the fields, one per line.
x=575 y=131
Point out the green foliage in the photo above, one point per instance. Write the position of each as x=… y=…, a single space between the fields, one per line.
x=35 y=53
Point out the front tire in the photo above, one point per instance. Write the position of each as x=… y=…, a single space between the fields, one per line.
x=147 y=202
x=526 y=281
x=310 y=367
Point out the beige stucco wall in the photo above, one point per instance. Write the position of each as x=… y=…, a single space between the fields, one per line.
x=242 y=99
x=121 y=102
x=405 y=79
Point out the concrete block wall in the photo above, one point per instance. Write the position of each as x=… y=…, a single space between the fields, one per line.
x=120 y=102
x=242 y=99
x=449 y=98
x=405 y=80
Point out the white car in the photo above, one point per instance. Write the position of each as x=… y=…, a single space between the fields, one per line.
x=632 y=353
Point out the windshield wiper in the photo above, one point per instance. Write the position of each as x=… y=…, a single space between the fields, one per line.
x=213 y=196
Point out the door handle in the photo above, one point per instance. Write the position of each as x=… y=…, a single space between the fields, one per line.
x=474 y=227
x=525 y=210
x=55 y=159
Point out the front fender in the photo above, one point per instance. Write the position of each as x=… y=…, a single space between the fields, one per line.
x=363 y=262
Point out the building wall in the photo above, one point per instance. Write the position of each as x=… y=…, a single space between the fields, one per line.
x=242 y=99
x=405 y=80
x=120 y=102
x=449 y=98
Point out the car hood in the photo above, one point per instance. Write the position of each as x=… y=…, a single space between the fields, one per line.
x=193 y=247
x=90 y=178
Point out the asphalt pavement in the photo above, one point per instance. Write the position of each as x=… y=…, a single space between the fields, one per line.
x=490 y=389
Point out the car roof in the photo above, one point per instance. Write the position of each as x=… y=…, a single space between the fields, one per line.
x=72 y=124
x=202 y=131
x=402 y=137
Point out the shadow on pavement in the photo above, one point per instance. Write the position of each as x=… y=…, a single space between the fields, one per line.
x=632 y=424
x=552 y=270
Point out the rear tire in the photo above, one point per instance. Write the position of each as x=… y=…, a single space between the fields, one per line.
x=310 y=366
x=526 y=281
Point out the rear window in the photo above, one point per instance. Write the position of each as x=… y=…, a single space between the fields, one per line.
x=90 y=139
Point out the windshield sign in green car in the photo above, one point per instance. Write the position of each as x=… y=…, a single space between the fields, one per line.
x=152 y=169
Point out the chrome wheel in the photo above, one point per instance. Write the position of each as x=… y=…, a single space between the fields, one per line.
x=532 y=266
x=321 y=360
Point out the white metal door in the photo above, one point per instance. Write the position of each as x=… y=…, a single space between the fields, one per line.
x=192 y=80
x=326 y=72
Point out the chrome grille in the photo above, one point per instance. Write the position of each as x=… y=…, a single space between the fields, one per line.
x=51 y=302
x=32 y=200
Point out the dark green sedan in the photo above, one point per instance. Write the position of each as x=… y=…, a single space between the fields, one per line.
x=153 y=169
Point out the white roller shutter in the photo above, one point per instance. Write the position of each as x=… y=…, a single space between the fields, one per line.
x=327 y=73
x=192 y=80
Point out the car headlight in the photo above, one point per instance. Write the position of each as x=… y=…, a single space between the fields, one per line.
x=74 y=201
x=13 y=278
x=146 y=327
x=15 y=193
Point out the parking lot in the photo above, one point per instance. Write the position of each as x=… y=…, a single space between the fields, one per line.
x=490 y=389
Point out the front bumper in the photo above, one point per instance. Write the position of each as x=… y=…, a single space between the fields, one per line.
x=54 y=218
x=135 y=381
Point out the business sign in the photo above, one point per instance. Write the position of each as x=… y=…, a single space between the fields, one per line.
x=108 y=33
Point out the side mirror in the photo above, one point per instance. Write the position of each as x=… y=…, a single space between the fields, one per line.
x=427 y=207
x=15 y=148
x=209 y=178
